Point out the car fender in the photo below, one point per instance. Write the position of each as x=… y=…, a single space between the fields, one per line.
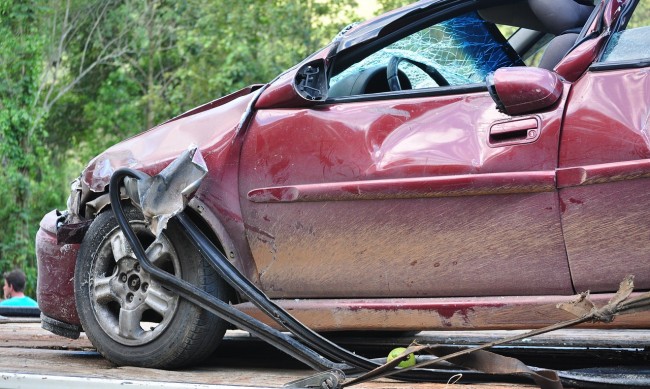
x=217 y=133
x=212 y=127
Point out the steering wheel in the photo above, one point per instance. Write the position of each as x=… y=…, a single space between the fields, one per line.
x=392 y=72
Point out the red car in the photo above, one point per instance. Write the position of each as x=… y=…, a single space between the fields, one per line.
x=420 y=172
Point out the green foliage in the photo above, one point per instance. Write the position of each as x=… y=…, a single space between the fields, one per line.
x=231 y=47
x=387 y=5
x=22 y=152
x=78 y=76
x=178 y=55
x=641 y=16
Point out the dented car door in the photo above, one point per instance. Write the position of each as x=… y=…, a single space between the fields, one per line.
x=605 y=160
x=425 y=191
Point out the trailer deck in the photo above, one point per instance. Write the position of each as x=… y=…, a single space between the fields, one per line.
x=35 y=358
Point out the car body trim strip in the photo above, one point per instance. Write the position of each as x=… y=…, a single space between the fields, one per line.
x=603 y=173
x=441 y=186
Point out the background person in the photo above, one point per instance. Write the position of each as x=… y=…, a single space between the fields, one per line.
x=13 y=291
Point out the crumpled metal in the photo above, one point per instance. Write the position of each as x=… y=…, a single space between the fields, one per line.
x=166 y=194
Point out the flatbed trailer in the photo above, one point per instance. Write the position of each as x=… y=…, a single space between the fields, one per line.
x=34 y=358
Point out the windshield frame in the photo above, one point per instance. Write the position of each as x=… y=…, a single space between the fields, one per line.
x=348 y=59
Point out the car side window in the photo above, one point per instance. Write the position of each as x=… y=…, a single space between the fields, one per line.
x=633 y=43
x=458 y=51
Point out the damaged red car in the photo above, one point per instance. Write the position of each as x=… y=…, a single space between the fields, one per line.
x=424 y=171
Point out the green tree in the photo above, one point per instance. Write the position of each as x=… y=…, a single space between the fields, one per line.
x=174 y=56
x=251 y=41
x=79 y=75
x=21 y=134
x=387 y=5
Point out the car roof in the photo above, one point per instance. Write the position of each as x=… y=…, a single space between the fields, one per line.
x=398 y=18
x=373 y=28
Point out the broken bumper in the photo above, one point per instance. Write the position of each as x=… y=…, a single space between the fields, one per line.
x=56 y=264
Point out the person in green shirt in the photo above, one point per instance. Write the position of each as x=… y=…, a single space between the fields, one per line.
x=13 y=291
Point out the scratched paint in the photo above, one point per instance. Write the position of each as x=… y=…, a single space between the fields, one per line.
x=377 y=236
x=476 y=313
x=606 y=150
x=55 y=288
x=607 y=227
x=411 y=247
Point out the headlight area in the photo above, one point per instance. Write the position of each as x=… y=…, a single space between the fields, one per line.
x=83 y=206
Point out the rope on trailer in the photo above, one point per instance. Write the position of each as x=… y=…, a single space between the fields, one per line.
x=582 y=307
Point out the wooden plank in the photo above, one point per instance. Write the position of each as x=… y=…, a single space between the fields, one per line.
x=17 y=333
x=90 y=364
x=592 y=338
x=27 y=349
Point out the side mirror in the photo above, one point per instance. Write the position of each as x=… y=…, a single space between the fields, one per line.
x=303 y=86
x=520 y=90
x=311 y=81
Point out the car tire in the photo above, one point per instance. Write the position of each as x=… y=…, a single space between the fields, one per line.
x=131 y=318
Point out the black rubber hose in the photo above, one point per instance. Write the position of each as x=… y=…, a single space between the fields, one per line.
x=246 y=288
x=203 y=299
x=281 y=341
x=242 y=285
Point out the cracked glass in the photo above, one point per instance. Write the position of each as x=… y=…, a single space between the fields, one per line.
x=463 y=50
x=633 y=43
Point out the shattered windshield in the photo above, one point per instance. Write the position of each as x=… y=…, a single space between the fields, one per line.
x=633 y=43
x=463 y=50
x=628 y=45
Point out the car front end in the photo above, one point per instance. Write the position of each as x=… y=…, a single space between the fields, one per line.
x=211 y=127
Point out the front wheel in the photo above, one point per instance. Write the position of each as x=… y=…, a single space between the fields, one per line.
x=130 y=317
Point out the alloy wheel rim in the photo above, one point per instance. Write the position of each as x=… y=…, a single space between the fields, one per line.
x=129 y=305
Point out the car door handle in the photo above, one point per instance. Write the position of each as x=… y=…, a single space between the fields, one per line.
x=512 y=132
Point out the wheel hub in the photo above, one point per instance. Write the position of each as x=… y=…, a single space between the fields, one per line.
x=129 y=305
x=131 y=284
x=134 y=283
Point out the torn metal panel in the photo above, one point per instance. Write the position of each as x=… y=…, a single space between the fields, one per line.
x=164 y=195
x=72 y=232
x=56 y=263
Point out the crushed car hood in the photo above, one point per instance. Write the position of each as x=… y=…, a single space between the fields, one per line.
x=150 y=151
